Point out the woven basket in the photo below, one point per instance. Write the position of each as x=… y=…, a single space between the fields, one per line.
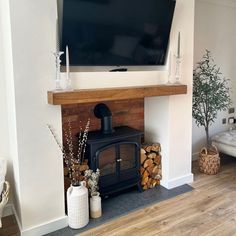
x=209 y=161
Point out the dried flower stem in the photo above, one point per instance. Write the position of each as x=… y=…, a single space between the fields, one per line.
x=83 y=142
x=73 y=161
x=65 y=157
x=55 y=138
x=92 y=180
x=85 y=138
x=79 y=146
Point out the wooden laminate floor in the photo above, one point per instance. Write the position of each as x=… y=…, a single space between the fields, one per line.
x=9 y=227
x=209 y=210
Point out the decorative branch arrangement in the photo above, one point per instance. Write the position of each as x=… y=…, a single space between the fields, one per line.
x=73 y=161
x=211 y=93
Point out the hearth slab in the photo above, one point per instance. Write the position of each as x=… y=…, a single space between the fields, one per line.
x=126 y=203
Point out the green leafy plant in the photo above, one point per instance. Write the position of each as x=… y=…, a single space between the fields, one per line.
x=211 y=93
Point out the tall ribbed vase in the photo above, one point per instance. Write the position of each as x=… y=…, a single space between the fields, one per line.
x=77 y=206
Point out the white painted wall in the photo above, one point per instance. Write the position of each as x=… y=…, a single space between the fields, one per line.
x=40 y=170
x=215 y=31
x=168 y=119
x=4 y=144
x=4 y=137
x=5 y=64
x=39 y=175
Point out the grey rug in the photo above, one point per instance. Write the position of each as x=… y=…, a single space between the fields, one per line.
x=125 y=203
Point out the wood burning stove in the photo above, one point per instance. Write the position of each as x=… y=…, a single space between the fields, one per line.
x=117 y=156
x=115 y=152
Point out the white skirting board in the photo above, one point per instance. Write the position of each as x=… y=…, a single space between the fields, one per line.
x=46 y=227
x=186 y=179
x=38 y=230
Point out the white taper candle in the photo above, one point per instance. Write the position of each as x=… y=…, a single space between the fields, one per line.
x=57 y=37
x=169 y=65
x=67 y=63
x=178 y=46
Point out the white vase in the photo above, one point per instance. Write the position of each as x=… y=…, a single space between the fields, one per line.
x=95 y=205
x=77 y=206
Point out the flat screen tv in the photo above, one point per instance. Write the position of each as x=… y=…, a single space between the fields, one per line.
x=116 y=32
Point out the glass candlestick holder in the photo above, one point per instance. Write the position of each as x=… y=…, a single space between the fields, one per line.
x=169 y=80
x=68 y=82
x=58 y=70
x=177 y=76
x=169 y=69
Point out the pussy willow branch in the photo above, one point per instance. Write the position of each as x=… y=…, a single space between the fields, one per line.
x=65 y=157
x=85 y=138
x=70 y=140
x=83 y=141
x=55 y=138
x=73 y=162
x=69 y=156
x=79 y=138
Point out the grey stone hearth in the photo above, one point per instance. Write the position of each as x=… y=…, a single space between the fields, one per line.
x=125 y=203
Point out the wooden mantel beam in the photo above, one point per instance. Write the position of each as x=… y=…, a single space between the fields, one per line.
x=112 y=94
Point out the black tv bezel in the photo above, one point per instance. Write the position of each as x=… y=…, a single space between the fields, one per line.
x=115 y=66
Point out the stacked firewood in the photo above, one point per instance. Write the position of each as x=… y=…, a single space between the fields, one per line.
x=150 y=165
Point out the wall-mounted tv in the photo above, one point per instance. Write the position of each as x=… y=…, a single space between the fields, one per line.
x=116 y=32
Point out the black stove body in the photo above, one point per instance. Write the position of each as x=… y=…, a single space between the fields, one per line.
x=117 y=156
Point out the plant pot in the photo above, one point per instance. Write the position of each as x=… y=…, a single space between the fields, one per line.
x=95 y=205
x=77 y=206
x=209 y=161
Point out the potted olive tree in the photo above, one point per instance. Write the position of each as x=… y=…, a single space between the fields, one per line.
x=211 y=94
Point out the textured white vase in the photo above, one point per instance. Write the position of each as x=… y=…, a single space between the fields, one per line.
x=77 y=206
x=95 y=205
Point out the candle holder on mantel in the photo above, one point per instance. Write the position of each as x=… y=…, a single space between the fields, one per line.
x=58 y=70
x=68 y=78
x=169 y=70
x=68 y=84
x=177 y=76
x=169 y=81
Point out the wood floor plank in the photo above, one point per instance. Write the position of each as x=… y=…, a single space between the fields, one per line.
x=9 y=226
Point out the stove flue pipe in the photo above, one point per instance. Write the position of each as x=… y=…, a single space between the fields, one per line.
x=102 y=111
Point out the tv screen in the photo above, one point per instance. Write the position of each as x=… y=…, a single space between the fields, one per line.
x=116 y=32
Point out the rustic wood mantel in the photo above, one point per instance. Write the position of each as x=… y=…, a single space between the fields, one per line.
x=112 y=94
